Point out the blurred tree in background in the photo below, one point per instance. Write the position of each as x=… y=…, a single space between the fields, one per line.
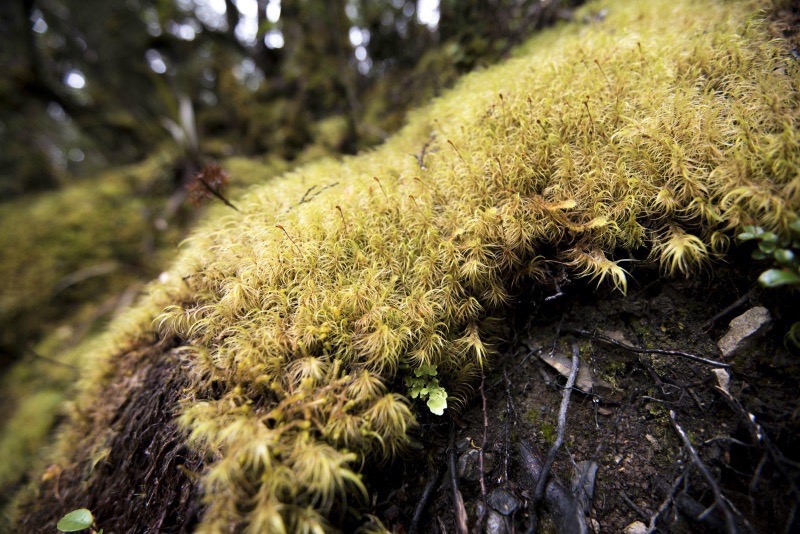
x=85 y=85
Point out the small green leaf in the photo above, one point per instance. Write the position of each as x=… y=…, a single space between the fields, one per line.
x=437 y=401
x=784 y=256
x=750 y=232
x=769 y=237
x=425 y=370
x=794 y=226
x=778 y=277
x=76 y=520
x=758 y=255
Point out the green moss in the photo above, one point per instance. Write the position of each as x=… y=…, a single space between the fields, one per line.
x=24 y=432
x=87 y=239
x=662 y=129
x=548 y=431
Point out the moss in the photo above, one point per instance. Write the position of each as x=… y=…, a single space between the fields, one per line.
x=548 y=431
x=657 y=132
x=88 y=239
x=24 y=432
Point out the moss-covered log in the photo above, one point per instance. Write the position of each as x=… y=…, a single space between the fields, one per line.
x=287 y=329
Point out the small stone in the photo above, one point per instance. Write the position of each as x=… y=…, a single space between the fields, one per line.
x=585 y=381
x=392 y=513
x=463 y=444
x=495 y=524
x=468 y=466
x=637 y=527
x=744 y=329
x=503 y=501
x=583 y=480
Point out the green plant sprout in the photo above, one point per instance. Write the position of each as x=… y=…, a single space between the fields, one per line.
x=425 y=385
x=78 y=520
x=784 y=251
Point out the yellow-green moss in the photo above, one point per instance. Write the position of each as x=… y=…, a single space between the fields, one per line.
x=662 y=130
x=47 y=238
x=87 y=239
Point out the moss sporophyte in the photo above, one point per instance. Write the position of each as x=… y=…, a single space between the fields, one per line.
x=304 y=328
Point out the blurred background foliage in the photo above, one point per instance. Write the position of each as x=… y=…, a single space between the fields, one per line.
x=85 y=85
x=108 y=108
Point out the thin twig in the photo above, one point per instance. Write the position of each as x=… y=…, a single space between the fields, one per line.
x=722 y=503
x=216 y=193
x=421 y=156
x=668 y=500
x=49 y=360
x=482 y=451
x=305 y=195
x=458 y=500
x=427 y=491
x=761 y=438
x=308 y=196
x=644 y=515
x=738 y=302
x=541 y=484
x=612 y=341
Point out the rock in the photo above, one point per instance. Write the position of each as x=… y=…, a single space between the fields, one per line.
x=744 y=330
x=584 y=381
x=637 y=527
x=468 y=465
x=495 y=524
x=583 y=479
x=503 y=501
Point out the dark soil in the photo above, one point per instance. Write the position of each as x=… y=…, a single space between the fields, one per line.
x=644 y=470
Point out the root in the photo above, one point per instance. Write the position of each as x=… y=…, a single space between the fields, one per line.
x=541 y=484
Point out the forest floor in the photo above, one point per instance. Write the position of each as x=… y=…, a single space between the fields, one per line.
x=627 y=423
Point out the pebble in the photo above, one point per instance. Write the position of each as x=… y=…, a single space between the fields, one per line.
x=495 y=524
x=503 y=501
x=637 y=527
x=744 y=329
x=468 y=465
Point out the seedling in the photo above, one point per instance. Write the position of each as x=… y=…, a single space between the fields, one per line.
x=784 y=251
x=425 y=385
x=78 y=520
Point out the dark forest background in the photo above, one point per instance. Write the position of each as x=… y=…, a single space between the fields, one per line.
x=86 y=85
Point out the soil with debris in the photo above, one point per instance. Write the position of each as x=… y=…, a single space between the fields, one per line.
x=622 y=439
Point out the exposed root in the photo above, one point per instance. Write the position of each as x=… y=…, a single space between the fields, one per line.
x=430 y=485
x=720 y=501
x=459 y=510
x=541 y=484
x=557 y=499
x=610 y=341
x=482 y=451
